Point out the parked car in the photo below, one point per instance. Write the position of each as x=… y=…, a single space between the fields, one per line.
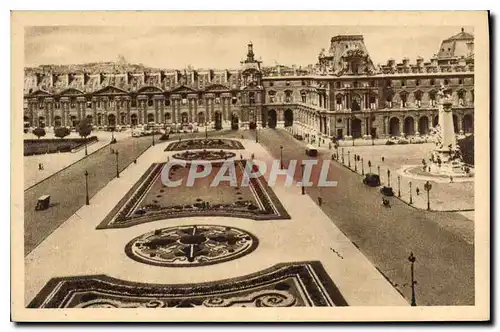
x=387 y=191
x=311 y=151
x=372 y=180
x=403 y=140
x=138 y=132
x=417 y=140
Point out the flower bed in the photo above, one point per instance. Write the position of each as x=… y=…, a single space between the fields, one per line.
x=54 y=145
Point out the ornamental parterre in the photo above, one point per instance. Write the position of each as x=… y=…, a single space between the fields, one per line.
x=296 y=284
x=193 y=245
x=150 y=200
x=211 y=143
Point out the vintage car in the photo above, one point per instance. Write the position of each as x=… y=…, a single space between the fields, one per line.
x=311 y=151
x=372 y=180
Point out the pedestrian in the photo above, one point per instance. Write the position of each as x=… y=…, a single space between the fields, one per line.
x=429 y=169
x=451 y=179
x=418 y=191
x=329 y=146
x=383 y=158
x=320 y=200
x=39 y=166
x=241 y=156
x=253 y=156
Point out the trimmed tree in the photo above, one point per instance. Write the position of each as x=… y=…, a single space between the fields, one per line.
x=84 y=130
x=61 y=132
x=39 y=132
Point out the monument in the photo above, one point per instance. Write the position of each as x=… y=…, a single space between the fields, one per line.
x=446 y=158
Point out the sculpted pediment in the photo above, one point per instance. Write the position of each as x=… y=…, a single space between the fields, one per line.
x=150 y=89
x=110 y=90
x=40 y=93
x=72 y=92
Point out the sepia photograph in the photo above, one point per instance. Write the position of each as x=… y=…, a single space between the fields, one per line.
x=265 y=168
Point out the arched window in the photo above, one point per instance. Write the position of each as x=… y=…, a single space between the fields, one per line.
x=288 y=96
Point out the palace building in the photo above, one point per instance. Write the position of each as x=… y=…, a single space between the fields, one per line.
x=343 y=95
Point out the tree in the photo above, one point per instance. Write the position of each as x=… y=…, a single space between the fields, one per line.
x=84 y=130
x=61 y=132
x=39 y=132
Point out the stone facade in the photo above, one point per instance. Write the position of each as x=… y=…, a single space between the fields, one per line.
x=344 y=95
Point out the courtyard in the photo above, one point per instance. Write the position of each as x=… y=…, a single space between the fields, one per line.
x=259 y=245
x=233 y=260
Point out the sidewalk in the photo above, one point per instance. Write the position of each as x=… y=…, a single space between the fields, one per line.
x=309 y=235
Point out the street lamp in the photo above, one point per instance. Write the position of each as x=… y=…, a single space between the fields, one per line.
x=349 y=159
x=428 y=187
x=411 y=198
x=362 y=166
x=378 y=170
x=399 y=186
x=355 y=163
x=388 y=177
x=117 y=171
x=281 y=156
x=412 y=260
x=87 y=201
x=303 y=188
x=370 y=165
x=153 y=136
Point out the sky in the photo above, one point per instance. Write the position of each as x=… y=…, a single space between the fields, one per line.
x=221 y=47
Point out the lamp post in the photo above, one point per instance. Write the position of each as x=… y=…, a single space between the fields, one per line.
x=362 y=166
x=399 y=186
x=428 y=187
x=87 y=201
x=412 y=260
x=256 y=133
x=281 y=156
x=117 y=171
x=355 y=163
x=153 y=136
x=349 y=159
x=411 y=198
x=370 y=165
x=388 y=177
x=378 y=170
x=303 y=188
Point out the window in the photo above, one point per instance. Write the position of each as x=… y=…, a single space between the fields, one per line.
x=418 y=98
x=338 y=102
x=304 y=96
x=388 y=101
x=404 y=98
x=272 y=96
x=150 y=102
x=288 y=96
x=167 y=103
x=461 y=98
x=432 y=98
x=417 y=82
x=445 y=82
x=403 y=83
x=432 y=81
x=303 y=82
x=460 y=81
x=134 y=102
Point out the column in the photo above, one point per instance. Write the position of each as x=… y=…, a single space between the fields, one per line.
x=415 y=125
